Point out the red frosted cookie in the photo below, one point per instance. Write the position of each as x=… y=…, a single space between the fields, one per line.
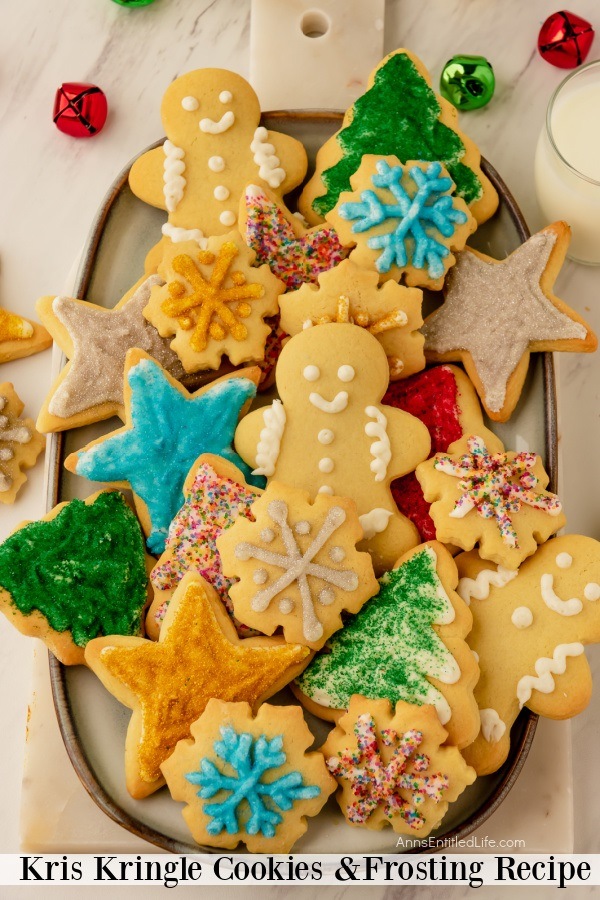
x=446 y=402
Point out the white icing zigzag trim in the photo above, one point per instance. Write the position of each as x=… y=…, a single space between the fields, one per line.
x=174 y=182
x=562 y=607
x=480 y=587
x=269 y=442
x=374 y=522
x=177 y=235
x=545 y=668
x=266 y=159
x=381 y=450
x=492 y=726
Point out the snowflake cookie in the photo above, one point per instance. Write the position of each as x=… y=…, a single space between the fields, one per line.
x=481 y=493
x=297 y=563
x=497 y=312
x=391 y=767
x=167 y=683
x=348 y=293
x=20 y=444
x=214 y=301
x=331 y=434
x=403 y=220
x=406 y=643
x=216 y=494
x=545 y=613
x=248 y=779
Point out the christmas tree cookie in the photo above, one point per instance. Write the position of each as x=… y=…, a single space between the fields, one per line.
x=406 y=643
x=530 y=628
x=167 y=683
x=78 y=573
x=248 y=778
x=20 y=444
x=348 y=293
x=481 y=494
x=399 y=115
x=391 y=767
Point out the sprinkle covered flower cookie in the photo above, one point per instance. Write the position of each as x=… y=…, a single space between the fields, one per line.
x=480 y=493
x=214 y=301
x=163 y=422
x=391 y=767
x=297 y=564
x=330 y=433
x=20 y=444
x=545 y=613
x=78 y=573
x=248 y=778
x=406 y=643
x=349 y=293
x=167 y=683
x=20 y=337
x=215 y=146
x=497 y=312
x=96 y=341
x=216 y=494
x=402 y=220
x=399 y=114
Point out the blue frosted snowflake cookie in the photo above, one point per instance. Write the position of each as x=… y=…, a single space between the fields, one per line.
x=248 y=779
x=403 y=220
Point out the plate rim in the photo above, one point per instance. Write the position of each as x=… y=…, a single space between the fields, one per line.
x=60 y=694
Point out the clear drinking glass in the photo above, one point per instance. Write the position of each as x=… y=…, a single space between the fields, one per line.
x=567 y=161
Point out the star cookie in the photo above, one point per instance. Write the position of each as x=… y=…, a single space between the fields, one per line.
x=216 y=494
x=544 y=613
x=214 y=301
x=407 y=643
x=497 y=312
x=297 y=564
x=78 y=573
x=166 y=428
x=481 y=494
x=293 y=253
x=402 y=220
x=260 y=782
x=350 y=294
x=20 y=444
x=167 y=683
x=391 y=767
x=20 y=337
x=96 y=340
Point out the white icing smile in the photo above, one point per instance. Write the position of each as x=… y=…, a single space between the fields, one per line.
x=338 y=404
x=209 y=126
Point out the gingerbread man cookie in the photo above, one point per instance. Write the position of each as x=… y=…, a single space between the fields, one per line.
x=215 y=146
x=349 y=293
x=529 y=631
x=20 y=444
x=330 y=434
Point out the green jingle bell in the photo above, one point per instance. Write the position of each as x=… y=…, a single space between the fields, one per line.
x=468 y=82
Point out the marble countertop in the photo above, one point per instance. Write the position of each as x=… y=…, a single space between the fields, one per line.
x=53 y=186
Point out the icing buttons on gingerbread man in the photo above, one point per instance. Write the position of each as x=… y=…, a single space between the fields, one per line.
x=215 y=146
x=329 y=433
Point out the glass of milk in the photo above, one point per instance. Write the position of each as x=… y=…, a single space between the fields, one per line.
x=567 y=162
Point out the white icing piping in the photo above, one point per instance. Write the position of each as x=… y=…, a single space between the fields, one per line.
x=174 y=182
x=338 y=404
x=552 y=600
x=266 y=159
x=381 y=450
x=449 y=614
x=545 y=668
x=177 y=235
x=209 y=126
x=522 y=617
x=480 y=587
x=269 y=443
x=374 y=522
x=492 y=726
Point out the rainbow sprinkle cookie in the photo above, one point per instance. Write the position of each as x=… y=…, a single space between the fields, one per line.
x=491 y=496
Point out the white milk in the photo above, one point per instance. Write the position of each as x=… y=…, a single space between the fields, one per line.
x=562 y=193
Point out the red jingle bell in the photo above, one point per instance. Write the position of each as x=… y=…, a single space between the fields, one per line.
x=565 y=39
x=80 y=110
